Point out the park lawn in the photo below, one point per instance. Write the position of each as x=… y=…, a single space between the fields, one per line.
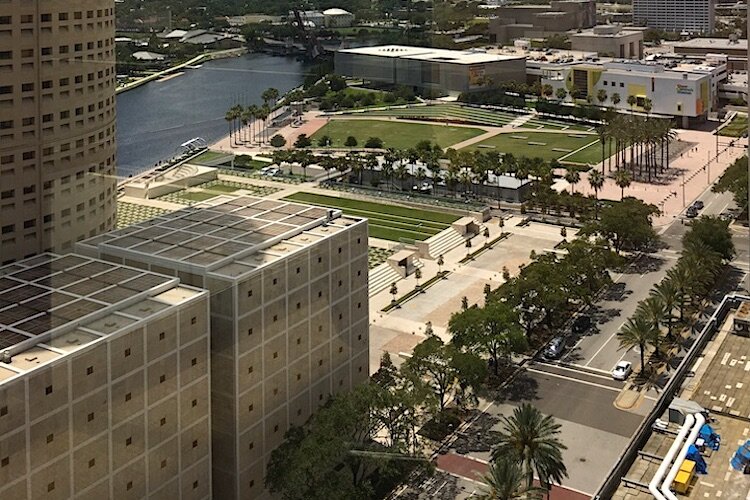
x=395 y=135
x=542 y=144
x=736 y=128
x=591 y=154
x=196 y=196
x=385 y=221
x=209 y=156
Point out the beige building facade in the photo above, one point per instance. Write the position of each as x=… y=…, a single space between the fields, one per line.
x=289 y=315
x=57 y=124
x=609 y=41
x=104 y=383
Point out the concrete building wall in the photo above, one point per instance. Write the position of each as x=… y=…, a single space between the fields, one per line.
x=689 y=98
x=57 y=124
x=283 y=339
x=446 y=77
x=125 y=417
x=515 y=21
x=693 y=16
x=627 y=45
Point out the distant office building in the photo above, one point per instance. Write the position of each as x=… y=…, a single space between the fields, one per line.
x=609 y=41
x=104 y=382
x=687 y=93
x=540 y=20
x=57 y=124
x=289 y=315
x=693 y=16
x=448 y=71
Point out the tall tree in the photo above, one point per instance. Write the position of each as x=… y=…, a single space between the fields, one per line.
x=505 y=480
x=623 y=180
x=714 y=232
x=492 y=330
x=596 y=181
x=638 y=332
x=531 y=439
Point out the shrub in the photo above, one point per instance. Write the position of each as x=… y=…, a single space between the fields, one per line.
x=325 y=141
x=302 y=141
x=351 y=141
x=374 y=143
x=278 y=141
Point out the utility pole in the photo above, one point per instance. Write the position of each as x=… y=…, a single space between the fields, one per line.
x=683 y=190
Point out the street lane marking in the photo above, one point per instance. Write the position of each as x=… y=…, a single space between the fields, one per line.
x=600 y=386
x=582 y=371
x=605 y=343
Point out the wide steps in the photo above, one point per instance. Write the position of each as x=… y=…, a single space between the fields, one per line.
x=444 y=242
x=381 y=278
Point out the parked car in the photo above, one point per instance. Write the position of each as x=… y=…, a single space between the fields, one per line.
x=554 y=348
x=581 y=323
x=698 y=204
x=622 y=370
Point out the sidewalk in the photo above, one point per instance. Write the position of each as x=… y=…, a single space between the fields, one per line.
x=474 y=469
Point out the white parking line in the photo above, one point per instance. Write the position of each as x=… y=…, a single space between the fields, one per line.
x=605 y=344
x=592 y=384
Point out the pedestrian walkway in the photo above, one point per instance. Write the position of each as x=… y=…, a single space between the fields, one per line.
x=473 y=470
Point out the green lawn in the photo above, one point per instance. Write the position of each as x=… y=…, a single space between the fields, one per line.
x=534 y=144
x=395 y=135
x=385 y=221
x=591 y=154
x=736 y=128
x=209 y=156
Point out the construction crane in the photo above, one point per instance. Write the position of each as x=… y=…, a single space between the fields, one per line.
x=313 y=46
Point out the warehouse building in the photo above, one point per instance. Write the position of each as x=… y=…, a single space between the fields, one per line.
x=513 y=21
x=446 y=71
x=609 y=41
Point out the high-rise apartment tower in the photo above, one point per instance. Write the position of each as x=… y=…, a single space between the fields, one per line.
x=57 y=124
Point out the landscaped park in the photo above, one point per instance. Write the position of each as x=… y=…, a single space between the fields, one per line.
x=394 y=134
x=388 y=222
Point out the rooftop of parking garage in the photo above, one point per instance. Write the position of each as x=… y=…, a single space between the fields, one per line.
x=432 y=55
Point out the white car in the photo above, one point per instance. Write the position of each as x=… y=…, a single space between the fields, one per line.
x=622 y=370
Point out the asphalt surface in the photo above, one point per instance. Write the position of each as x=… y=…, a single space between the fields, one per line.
x=568 y=394
x=598 y=347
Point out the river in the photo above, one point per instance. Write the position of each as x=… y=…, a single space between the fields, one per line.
x=154 y=119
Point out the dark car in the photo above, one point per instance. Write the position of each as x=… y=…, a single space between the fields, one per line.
x=554 y=348
x=581 y=324
x=698 y=204
x=691 y=212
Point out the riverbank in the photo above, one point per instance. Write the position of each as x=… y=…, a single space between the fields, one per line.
x=208 y=56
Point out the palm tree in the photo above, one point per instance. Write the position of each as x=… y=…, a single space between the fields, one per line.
x=668 y=294
x=638 y=332
x=252 y=112
x=622 y=179
x=505 y=481
x=615 y=99
x=631 y=101
x=654 y=310
x=561 y=94
x=531 y=439
x=601 y=96
x=647 y=105
x=596 y=181
x=573 y=177
x=682 y=279
x=229 y=117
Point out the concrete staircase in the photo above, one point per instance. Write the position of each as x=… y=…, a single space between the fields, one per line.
x=444 y=241
x=381 y=278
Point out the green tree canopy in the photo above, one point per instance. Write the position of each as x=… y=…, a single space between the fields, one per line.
x=626 y=225
x=713 y=232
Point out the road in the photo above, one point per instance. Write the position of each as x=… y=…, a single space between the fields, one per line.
x=598 y=348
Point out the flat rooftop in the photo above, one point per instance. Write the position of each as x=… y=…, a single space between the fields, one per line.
x=51 y=305
x=226 y=237
x=711 y=44
x=722 y=375
x=430 y=54
x=554 y=56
